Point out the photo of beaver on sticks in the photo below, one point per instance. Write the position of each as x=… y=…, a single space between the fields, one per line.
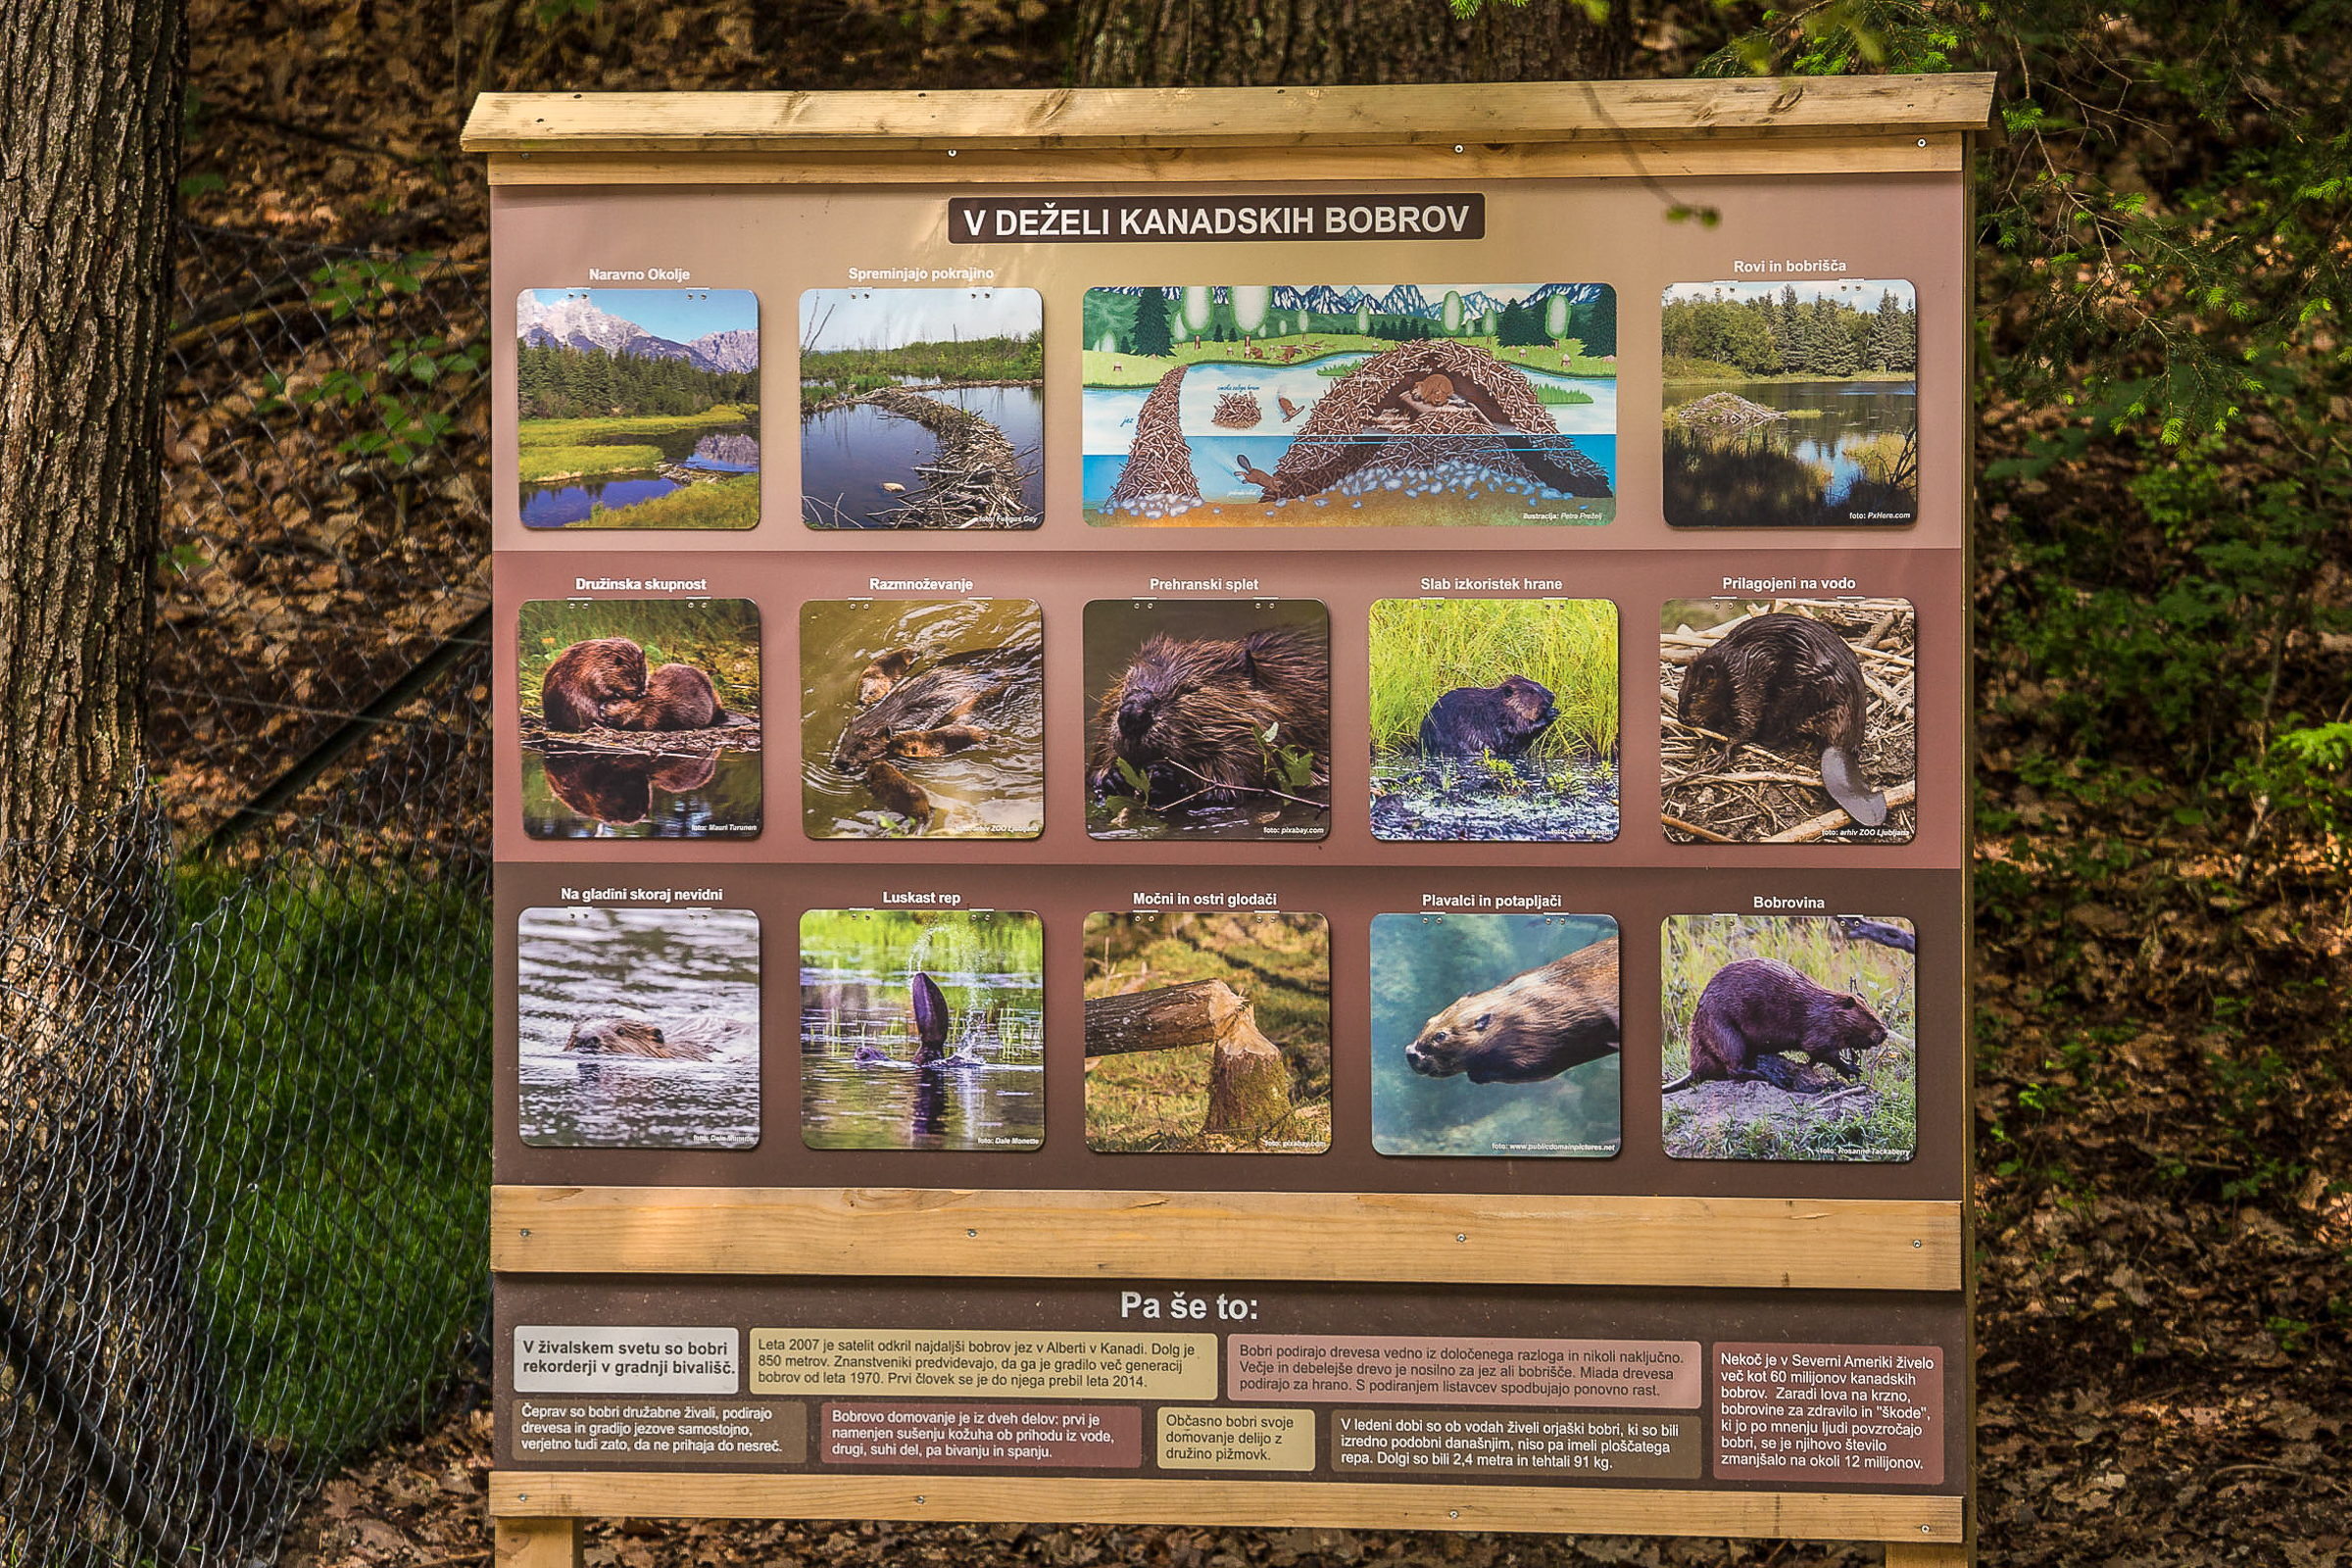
x=1789 y=1037
x=1496 y=720
x=1495 y=1035
x=640 y=718
x=922 y=717
x=1208 y=719
x=1788 y=720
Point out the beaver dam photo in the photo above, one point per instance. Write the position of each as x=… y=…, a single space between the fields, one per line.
x=1788 y=720
x=639 y=1028
x=1208 y=719
x=1495 y=719
x=922 y=1031
x=640 y=718
x=1789 y=1037
x=922 y=717
x=1791 y=405
x=1495 y=1035
x=1208 y=1032
x=922 y=407
x=639 y=408
x=1410 y=405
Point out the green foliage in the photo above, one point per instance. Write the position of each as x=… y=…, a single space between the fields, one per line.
x=1761 y=337
x=1425 y=648
x=407 y=403
x=720 y=637
x=849 y=372
x=561 y=382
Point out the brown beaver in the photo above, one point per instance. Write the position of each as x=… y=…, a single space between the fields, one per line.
x=1504 y=719
x=876 y=679
x=586 y=676
x=946 y=740
x=628 y=1037
x=949 y=691
x=619 y=790
x=894 y=791
x=1531 y=1027
x=1788 y=680
x=1192 y=716
x=1754 y=1008
x=676 y=697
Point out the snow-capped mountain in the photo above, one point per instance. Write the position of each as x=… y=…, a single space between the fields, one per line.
x=1406 y=300
x=577 y=323
x=738 y=350
x=1322 y=299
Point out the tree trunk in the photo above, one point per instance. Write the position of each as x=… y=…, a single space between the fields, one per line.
x=1250 y=43
x=1248 y=1084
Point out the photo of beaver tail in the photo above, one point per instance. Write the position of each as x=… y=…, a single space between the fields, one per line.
x=1191 y=715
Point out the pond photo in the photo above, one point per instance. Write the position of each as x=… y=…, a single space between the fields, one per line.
x=922 y=407
x=922 y=717
x=1789 y=1037
x=1790 y=405
x=922 y=1030
x=1495 y=1036
x=639 y=1028
x=639 y=408
x=1495 y=719
x=1408 y=405
x=640 y=718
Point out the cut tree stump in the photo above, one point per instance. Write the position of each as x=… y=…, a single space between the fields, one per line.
x=1248 y=1086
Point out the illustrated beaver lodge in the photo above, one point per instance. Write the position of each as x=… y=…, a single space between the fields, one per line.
x=972 y=483
x=1791 y=724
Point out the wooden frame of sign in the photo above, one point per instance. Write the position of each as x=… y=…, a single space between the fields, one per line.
x=1653 y=130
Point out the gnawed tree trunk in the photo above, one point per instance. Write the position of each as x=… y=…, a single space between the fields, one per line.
x=1246 y=43
x=1248 y=1085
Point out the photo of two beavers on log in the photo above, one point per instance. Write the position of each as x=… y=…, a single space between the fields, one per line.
x=922 y=408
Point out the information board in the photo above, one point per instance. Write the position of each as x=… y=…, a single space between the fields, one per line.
x=1356 y=909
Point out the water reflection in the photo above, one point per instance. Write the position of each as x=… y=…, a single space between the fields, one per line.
x=615 y=794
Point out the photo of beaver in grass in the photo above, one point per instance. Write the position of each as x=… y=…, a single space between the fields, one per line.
x=1788 y=720
x=922 y=717
x=1495 y=1035
x=1496 y=720
x=640 y=718
x=1789 y=1037
x=638 y=1028
x=1208 y=719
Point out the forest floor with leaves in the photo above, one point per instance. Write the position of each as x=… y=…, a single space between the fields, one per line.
x=2163 y=1126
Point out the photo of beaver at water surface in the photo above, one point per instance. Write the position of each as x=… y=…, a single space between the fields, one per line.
x=1789 y=1037
x=1495 y=1036
x=922 y=407
x=639 y=408
x=1788 y=720
x=1207 y=718
x=1495 y=719
x=922 y=717
x=640 y=718
x=1791 y=405
x=638 y=1028
x=922 y=1030
x=1407 y=404
x=1208 y=1032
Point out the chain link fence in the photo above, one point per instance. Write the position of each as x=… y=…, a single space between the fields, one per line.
x=244 y=1042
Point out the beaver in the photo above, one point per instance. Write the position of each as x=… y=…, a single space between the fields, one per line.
x=619 y=790
x=950 y=690
x=876 y=679
x=676 y=697
x=1531 y=1027
x=1786 y=680
x=1504 y=719
x=1754 y=1008
x=946 y=740
x=586 y=676
x=894 y=791
x=630 y=1037
x=1192 y=714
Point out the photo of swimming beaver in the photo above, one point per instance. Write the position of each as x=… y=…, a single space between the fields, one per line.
x=588 y=675
x=697 y=1038
x=1238 y=721
x=1503 y=719
x=1755 y=1009
x=1533 y=1026
x=1765 y=699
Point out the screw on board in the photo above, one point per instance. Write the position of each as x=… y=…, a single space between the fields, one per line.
x=1457 y=146
x=1917 y=1244
x=1453 y=1513
x=972 y=1233
x=1461 y=1236
x=918 y=1497
x=526 y=1233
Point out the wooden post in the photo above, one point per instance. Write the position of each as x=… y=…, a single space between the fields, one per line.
x=537 y=1544
x=1930 y=1554
x=1249 y=1087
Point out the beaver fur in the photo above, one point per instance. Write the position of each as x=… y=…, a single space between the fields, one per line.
x=876 y=679
x=1191 y=715
x=676 y=697
x=950 y=690
x=894 y=791
x=946 y=740
x=1753 y=1009
x=1504 y=719
x=1787 y=681
x=1531 y=1027
x=631 y=1037
x=588 y=675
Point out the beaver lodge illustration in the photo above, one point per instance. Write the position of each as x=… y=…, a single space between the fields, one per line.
x=972 y=483
x=1238 y=411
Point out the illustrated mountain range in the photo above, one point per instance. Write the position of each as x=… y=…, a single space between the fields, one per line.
x=577 y=323
x=1404 y=299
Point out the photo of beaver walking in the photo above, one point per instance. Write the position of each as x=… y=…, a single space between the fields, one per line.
x=1754 y=1009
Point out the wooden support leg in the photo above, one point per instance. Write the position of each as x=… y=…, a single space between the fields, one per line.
x=538 y=1544
x=1929 y=1554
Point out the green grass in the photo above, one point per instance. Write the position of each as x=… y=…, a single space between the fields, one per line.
x=1424 y=648
x=720 y=637
x=582 y=432
x=1137 y=370
x=729 y=502
x=336 y=1067
x=541 y=464
x=1682 y=367
x=1561 y=396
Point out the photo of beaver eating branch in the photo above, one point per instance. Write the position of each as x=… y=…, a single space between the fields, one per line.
x=1789 y=1037
x=640 y=718
x=922 y=717
x=1788 y=720
x=1209 y=720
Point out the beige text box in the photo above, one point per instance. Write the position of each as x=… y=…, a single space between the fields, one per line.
x=984 y=1364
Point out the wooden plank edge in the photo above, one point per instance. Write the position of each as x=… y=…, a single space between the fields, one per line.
x=1329 y=1505
x=1757 y=1244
